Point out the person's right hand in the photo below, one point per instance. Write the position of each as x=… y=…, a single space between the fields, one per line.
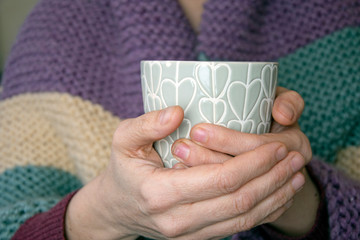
x=136 y=195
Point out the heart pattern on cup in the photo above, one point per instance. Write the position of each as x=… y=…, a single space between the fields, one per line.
x=268 y=74
x=215 y=92
x=153 y=102
x=240 y=92
x=242 y=126
x=212 y=110
x=170 y=92
x=265 y=109
x=183 y=131
x=152 y=78
x=263 y=127
x=213 y=79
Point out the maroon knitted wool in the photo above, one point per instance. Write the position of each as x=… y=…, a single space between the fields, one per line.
x=48 y=225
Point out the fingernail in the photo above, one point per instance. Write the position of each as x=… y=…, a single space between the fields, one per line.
x=199 y=135
x=298 y=182
x=281 y=153
x=287 y=110
x=165 y=115
x=297 y=162
x=180 y=166
x=181 y=150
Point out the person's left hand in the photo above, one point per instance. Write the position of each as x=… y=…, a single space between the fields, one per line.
x=215 y=144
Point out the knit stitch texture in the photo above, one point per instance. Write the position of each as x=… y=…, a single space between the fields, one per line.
x=74 y=73
x=26 y=191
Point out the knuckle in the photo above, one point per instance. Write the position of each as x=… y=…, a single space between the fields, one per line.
x=225 y=182
x=169 y=227
x=243 y=203
x=280 y=175
x=244 y=224
x=254 y=141
x=152 y=199
x=282 y=197
x=303 y=144
x=153 y=206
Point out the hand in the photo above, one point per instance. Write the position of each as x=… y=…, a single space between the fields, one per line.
x=215 y=144
x=135 y=195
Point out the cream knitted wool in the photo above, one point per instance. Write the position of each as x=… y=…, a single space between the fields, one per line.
x=52 y=129
x=349 y=161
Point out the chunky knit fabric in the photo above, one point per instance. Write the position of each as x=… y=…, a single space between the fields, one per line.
x=73 y=74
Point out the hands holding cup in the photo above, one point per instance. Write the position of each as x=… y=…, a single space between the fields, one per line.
x=236 y=95
x=236 y=180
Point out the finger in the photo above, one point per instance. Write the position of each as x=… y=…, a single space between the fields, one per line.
x=222 y=139
x=250 y=195
x=192 y=154
x=254 y=217
x=211 y=180
x=288 y=106
x=132 y=135
x=232 y=142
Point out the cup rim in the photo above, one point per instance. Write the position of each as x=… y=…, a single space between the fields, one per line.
x=194 y=61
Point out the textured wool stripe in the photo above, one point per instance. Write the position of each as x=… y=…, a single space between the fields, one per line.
x=326 y=74
x=349 y=161
x=42 y=187
x=69 y=52
x=255 y=30
x=35 y=182
x=98 y=58
x=52 y=129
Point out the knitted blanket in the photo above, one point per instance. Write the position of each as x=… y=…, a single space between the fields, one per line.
x=73 y=74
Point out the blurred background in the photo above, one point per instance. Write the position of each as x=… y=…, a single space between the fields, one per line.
x=12 y=15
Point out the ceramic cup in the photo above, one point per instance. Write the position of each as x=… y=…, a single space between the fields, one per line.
x=237 y=95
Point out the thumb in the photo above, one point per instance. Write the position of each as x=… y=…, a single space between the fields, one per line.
x=138 y=133
x=288 y=106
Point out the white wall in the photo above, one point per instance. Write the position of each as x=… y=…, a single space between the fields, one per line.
x=12 y=15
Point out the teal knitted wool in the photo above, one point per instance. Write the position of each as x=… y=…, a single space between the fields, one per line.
x=26 y=191
x=77 y=63
x=327 y=89
x=324 y=74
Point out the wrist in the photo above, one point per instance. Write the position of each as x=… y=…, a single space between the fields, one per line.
x=88 y=217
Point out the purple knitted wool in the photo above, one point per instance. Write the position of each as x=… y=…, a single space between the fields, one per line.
x=343 y=196
x=266 y=29
x=92 y=49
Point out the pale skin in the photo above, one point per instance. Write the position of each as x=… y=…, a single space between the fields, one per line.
x=307 y=201
x=228 y=181
x=201 y=149
x=251 y=180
